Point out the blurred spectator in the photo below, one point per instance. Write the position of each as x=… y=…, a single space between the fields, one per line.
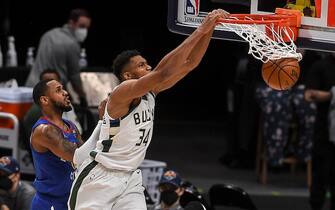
x=178 y=194
x=3 y=206
x=14 y=194
x=279 y=109
x=240 y=150
x=321 y=79
x=59 y=49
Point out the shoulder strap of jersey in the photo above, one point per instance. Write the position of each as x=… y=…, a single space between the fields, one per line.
x=153 y=94
x=40 y=122
x=71 y=124
x=106 y=115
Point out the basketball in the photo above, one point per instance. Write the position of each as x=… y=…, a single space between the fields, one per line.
x=281 y=74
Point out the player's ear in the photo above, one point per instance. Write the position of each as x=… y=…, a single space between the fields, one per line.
x=44 y=100
x=127 y=75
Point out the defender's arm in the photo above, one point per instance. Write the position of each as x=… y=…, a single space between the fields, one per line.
x=48 y=137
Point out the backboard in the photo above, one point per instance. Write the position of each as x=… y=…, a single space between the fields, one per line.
x=317 y=30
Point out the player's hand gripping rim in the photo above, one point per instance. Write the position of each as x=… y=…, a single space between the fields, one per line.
x=211 y=20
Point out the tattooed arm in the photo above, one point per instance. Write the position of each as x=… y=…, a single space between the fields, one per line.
x=48 y=137
x=80 y=140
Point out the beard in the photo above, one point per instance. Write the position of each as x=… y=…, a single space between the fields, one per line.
x=61 y=106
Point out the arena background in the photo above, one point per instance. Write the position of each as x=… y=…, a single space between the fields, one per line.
x=192 y=116
x=119 y=25
x=193 y=126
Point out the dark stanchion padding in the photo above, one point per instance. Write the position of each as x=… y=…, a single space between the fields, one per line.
x=230 y=195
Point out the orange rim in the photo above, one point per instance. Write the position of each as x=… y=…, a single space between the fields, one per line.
x=265 y=21
x=283 y=17
x=257 y=19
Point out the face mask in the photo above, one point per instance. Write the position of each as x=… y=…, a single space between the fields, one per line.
x=80 y=34
x=169 y=197
x=5 y=183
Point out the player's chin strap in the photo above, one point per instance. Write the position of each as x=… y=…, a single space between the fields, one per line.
x=263 y=47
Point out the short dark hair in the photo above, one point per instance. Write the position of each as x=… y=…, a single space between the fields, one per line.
x=49 y=71
x=121 y=60
x=75 y=14
x=39 y=90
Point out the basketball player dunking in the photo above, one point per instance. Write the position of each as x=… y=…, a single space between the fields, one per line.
x=111 y=178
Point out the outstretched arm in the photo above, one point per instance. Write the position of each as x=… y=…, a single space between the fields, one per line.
x=174 y=66
x=191 y=56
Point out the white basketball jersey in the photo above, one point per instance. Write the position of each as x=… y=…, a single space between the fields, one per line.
x=123 y=142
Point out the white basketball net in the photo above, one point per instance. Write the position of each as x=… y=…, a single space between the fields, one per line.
x=263 y=47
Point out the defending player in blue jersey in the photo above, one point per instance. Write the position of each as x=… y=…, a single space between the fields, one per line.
x=54 y=143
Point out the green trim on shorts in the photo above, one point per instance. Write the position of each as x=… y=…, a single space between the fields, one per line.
x=81 y=177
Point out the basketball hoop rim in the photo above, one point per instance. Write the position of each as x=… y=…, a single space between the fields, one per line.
x=256 y=19
x=273 y=41
x=282 y=18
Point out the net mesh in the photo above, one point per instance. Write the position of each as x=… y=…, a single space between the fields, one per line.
x=263 y=46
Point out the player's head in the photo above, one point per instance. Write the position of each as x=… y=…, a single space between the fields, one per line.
x=129 y=64
x=79 y=22
x=49 y=74
x=50 y=94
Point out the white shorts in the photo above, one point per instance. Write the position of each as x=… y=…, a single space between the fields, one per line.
x=99 y=188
